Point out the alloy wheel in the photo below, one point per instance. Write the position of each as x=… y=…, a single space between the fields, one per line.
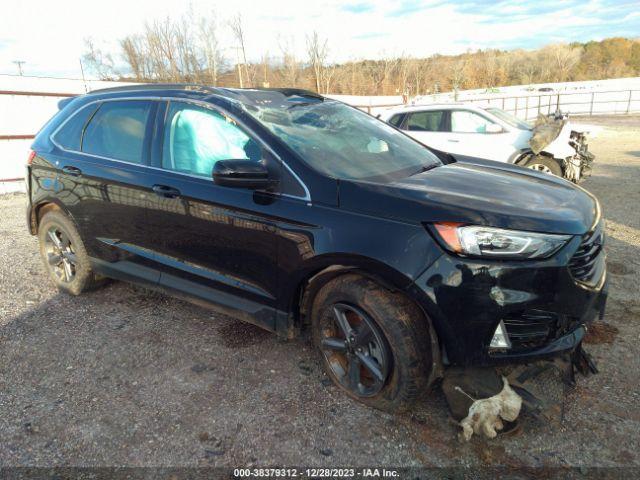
x=540 y=168
x=355 y=350
x=60 y=254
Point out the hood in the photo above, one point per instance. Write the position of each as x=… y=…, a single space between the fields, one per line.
x=509 y=197
x=545 y=131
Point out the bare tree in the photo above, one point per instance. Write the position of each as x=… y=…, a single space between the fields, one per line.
x=238 y=32
x=98 y=62
x=458 y=73
x=563 y=58
x=208 y=43
x=291 y=68
x=317 y=52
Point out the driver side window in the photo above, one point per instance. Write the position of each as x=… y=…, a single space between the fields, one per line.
x=195 y=138
x=463 y=121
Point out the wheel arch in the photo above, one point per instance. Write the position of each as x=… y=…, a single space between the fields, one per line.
x=312 y=278
x=41 y=208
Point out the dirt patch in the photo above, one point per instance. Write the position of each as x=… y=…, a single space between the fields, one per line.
x=237 y=334
x=600 y=332
x=617 y=268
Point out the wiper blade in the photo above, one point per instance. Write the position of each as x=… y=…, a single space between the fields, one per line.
x=424 y=168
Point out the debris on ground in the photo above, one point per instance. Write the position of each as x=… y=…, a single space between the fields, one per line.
x=486 y=415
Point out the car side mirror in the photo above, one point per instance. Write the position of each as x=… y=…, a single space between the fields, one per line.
x=493 y=128
x=242 y=174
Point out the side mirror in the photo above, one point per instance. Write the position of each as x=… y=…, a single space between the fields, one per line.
x=493 y=128
x=242 y=174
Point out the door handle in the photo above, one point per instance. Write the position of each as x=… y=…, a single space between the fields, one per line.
x=73 y=171
x=165 y=191
x=453 y=141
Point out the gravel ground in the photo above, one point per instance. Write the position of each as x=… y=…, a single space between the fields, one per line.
x=124 y=376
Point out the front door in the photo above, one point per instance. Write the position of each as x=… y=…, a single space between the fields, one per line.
x=214 y=244
x=471 y=135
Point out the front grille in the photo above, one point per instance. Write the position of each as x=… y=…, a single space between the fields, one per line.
x=587 y=264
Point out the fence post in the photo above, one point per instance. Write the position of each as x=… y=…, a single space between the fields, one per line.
x=557 y=103
x=526 y=108
x=539 y=101
x=629 y=102
x=502 y=103
x=516 y=112
x=593 y=94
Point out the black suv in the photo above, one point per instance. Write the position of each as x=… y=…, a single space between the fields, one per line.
x=299 y=213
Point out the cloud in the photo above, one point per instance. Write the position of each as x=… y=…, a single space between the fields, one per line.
x=356 y=29
x=370 y=35
x=407 y=7
x=360 y=7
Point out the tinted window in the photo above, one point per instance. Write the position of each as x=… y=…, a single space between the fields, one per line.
x=510 y=119
x=463 y=121
x=117 y=130
x=195 y=138
x=70 y=134
x=396 y=120
x=428 y=121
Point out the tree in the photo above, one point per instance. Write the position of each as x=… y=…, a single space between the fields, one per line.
x=561 y=59
x=98 y=62
x=238 y=32
x=317 y=52
x=291 y=68
x=208 y=42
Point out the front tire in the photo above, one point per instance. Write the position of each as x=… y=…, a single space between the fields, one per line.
x=375 y=345
x=543 y=164
x=64 y=255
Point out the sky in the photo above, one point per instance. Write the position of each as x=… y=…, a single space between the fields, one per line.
x=49 y=35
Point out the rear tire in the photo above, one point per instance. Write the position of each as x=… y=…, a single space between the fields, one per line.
x=544 y=164
x=64 y=255
x=393 y=350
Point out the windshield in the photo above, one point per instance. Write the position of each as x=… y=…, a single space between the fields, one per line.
x=341 y=141
x=509 y=118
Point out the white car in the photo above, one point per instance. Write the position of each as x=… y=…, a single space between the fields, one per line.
x=551 y=146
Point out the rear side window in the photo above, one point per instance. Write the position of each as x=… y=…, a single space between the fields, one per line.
x=70 y=135
x=195 y=138
x=117 y=130
x=428 y=121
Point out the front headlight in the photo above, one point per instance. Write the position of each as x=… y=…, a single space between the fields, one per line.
x=498 y=242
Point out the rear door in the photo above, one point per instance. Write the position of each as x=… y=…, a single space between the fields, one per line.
x=102 y=183
x=428 y=127
x=214 y=244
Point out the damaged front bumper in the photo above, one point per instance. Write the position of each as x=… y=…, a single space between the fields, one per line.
x=545 y=310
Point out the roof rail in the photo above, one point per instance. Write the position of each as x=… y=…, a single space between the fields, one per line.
x=158 y=86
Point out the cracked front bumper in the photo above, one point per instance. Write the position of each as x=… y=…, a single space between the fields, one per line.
x=545 y=310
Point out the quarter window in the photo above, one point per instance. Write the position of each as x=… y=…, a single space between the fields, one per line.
x=195 y=138
x=463 y=121
x=427 y=121
x=69 y=136
x=396 y=120
x=117 y=130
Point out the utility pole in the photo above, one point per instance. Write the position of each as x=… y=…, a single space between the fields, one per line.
x=19 y=63
x=84 y=82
